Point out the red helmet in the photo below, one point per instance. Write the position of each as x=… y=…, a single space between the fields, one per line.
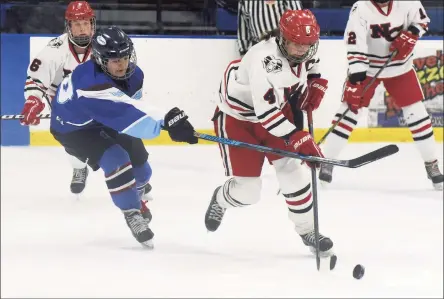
x=80 y=10
x=299 y=27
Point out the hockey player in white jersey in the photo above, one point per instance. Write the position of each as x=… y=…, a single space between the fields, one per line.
x=258 y=95
x=59 y=58
x=375 y=30
x=96 y=119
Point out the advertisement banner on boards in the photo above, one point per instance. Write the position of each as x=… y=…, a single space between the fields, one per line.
x=428 y=64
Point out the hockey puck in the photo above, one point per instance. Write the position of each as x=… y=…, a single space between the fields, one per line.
x=358 y=271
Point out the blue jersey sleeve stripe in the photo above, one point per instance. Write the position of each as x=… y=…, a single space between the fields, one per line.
x=115 y=109
x=145 y=127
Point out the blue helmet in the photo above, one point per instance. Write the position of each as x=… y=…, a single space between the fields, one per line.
x=112 y=42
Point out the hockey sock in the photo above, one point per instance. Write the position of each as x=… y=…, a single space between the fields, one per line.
x=295 y=185
x=119 y=178
x=239 y=192
x=142 y=174
x=420 y=124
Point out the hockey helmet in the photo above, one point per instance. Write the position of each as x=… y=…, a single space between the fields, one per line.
x=112 y=42
x=300 y=28
x=381 y=1
x=79 y=10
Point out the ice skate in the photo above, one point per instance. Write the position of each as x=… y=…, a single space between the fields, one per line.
x=325 y=244
x=78 y=181
x=434 y=174
x=144 y=194
x=139 y=227
x=325 y=174
x=214 y=214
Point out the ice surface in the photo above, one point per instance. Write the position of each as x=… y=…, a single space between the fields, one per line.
x=384 y=215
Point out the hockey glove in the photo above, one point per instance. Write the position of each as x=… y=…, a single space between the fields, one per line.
x=404 y=44
x=354 y=94
x=313 y=94
x=33 y=107
x=178 y=127
x=302 y=142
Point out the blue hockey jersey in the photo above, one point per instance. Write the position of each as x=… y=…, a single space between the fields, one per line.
x=89 y=98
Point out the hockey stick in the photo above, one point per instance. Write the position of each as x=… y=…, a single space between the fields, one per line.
x=353 y=163
x=363 y=92
x=314 y=190
x=20 y=116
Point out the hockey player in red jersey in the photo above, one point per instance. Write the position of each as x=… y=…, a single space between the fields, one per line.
x=52 y=64
x=258 y=95
x=375 y=30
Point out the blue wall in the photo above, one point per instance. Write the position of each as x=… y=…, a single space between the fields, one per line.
x=14 y=62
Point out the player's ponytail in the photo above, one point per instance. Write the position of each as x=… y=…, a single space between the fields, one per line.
x=270 y=34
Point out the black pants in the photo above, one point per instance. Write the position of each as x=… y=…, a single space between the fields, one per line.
x=88 y=145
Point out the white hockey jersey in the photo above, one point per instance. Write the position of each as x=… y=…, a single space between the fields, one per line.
x=371 y=29
x=257 y=88
x=50 y=66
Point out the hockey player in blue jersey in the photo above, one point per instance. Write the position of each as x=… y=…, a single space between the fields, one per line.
x=96 y=117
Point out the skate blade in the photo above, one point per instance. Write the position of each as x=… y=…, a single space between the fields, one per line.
x=148 y=244
x=438 y=187
x=322 y=254
x=324 y=184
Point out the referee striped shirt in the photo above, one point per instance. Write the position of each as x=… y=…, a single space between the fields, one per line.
x=257 y=17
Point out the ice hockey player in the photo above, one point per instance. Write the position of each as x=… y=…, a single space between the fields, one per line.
x=258 y=95
x=375 y=29
x=96 y=119
x=59 y=58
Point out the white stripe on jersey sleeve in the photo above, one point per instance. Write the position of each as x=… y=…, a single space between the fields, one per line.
x=274 y=121
x=144 y=121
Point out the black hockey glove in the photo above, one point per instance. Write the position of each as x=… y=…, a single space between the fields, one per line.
x=179 y=128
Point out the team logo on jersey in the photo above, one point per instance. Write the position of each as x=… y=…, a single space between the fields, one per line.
x=55 y=42
x=272 y=64
x=101 y=40
x=65 y=86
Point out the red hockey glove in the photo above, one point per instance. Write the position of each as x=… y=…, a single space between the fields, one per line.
x=354 y=97
x=301 y=142
x=404 y=44
x=313 y=94
x=33 y=107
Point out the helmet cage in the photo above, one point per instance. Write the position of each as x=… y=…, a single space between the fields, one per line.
x=282 y=42
x=81 y=41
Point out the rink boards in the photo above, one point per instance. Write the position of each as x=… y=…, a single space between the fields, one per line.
x=186 y=72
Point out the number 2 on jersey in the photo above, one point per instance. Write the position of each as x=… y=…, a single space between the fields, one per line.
x=351 y=38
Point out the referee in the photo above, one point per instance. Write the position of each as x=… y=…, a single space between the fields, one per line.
x=257 y=17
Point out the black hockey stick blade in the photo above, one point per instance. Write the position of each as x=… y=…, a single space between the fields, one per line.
x=354 y=163
x=373 y=156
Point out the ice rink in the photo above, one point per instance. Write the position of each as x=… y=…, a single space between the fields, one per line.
x=385 y=216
